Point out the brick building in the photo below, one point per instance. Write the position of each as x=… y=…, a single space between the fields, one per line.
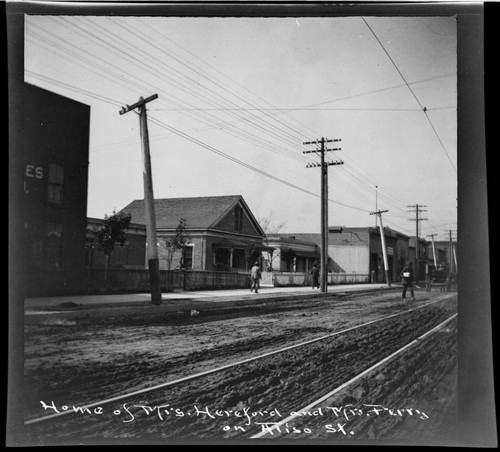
x=222 y=232
x=55 y=153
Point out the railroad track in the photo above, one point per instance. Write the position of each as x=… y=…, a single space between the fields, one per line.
x=238 y=398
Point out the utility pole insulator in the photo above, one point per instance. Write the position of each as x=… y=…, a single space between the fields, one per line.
x=139 y=103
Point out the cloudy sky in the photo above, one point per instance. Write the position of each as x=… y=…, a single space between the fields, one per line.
x=237 y=97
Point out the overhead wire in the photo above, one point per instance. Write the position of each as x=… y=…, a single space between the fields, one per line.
x=273 y=133
x=205 y=145
x=247 y=140
x=220 y=98
x=226 y=77
x=208 y=120
x=412 y=92
x=297 y=157
x=194 y=69
x=87 y=63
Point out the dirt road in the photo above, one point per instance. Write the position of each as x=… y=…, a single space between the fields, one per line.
x=74 y=363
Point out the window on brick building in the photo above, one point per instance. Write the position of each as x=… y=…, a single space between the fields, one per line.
x=56 y=183
x=187 y=257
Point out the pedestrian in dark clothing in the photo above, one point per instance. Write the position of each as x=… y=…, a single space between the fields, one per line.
x=315 y=276
x=255 y=275
x=407 y=275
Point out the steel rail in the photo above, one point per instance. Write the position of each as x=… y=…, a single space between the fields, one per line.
x=221 y=368
x=352 y=380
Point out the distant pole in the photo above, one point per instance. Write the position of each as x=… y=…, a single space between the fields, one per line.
x=384 y=248
x=433 y=249
x=324 y=221
x=451 y=256
x=324 y=204
x=152 y=245
x=376 y=204
x=417 y=208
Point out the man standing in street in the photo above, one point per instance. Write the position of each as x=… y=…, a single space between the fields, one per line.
x=255 y=274
x=315 y=276
x=407 y=275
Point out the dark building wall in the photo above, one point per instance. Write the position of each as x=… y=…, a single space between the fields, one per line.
x=55 y=140
x=130 y=255
x=229 y=222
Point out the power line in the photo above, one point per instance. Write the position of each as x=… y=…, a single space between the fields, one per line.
x=207 y=119
x=226 y=77
x=255 y=139
x=424 y=109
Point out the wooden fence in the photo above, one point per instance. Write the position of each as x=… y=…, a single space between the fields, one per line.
x=121 y=280
x=137 y=280
x=305 y=279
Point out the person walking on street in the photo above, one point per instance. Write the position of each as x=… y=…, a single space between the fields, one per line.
x=315 y=276
x=255 y=275
x=407 y=275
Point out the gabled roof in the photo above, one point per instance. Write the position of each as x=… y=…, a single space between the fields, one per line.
x=199 y=212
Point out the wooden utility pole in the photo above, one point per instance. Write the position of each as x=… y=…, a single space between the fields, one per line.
x=451 y=255
x=324 y=203
x=417 y=208
x=384 y=248
x=152 y=240
x=433 y=249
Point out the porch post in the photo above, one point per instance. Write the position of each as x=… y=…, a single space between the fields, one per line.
x=231 y=250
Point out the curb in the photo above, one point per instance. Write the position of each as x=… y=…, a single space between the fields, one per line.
x=177 y=305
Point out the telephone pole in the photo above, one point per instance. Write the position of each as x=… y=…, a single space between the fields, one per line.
x=417 y=208
x=452 y=256
x=384 y=249
x=152 y=241
x=324 y=202
x=450 y=252
x=433 y=249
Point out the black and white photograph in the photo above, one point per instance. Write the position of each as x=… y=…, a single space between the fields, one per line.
x=245 y=224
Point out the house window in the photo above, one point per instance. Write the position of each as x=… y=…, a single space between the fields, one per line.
x=187 y=257
x=238 y=218
x=56 y=183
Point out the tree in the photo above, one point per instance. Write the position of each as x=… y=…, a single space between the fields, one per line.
x=177 y=242
x=111 y=232
x=288 y=256
x=270 y=230
x=252 y=254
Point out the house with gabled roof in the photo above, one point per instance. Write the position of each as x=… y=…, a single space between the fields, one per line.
x=222 y=232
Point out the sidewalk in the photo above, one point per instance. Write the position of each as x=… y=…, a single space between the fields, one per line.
x=78 y=306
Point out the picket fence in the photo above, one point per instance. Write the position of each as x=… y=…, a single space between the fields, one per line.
x=137 y=280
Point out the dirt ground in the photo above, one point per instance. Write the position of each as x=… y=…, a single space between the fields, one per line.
x=76 y=363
